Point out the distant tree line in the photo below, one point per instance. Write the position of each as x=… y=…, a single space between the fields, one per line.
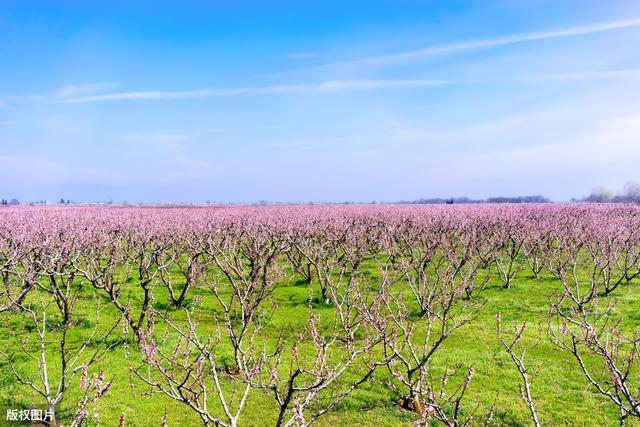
x=14 y=202
x=630 y=193
x=466 y=200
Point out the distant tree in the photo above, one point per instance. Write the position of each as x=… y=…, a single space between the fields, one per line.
x=631 y=191
x=14 y=202
x=600 y=194
x=519 y=199
x=61 y=201
x=458 y=200
x=465 y=200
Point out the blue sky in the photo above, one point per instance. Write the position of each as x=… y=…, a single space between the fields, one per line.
x=317 y=101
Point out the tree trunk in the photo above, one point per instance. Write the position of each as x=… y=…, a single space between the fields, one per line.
x=50 y=415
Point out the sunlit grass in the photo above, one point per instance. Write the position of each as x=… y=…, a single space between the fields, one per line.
x=561 y=394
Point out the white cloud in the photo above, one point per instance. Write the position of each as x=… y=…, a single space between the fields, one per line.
x=339 y=86
x=159 y=137
x=157 y=95
x=56 y=122
x=327 y=86
x=75 y=90
x=632 y=73
x=510 y=39
x=614 y=143
x=169 y=155
x=63 y=93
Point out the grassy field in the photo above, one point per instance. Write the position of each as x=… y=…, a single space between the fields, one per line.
x=562 y=395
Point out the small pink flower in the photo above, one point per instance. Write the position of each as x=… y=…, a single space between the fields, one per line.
x=83 y=377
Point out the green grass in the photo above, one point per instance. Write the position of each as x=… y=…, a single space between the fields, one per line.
x=562 y=395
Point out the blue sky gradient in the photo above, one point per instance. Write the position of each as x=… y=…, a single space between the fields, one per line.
x=331 y=101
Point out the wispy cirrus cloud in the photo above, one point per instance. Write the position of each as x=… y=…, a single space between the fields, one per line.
x=577 y=75
x=171 y=152
x=79 y=89
x=156 y=95
x=486 y=43
x=339 y=86
x=327 y=86
x=175 y=139
x=63 y=93
x=612 y=142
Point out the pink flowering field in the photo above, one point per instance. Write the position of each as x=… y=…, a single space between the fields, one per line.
x=296 y=315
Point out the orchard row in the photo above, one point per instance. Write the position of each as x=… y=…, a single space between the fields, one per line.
x=190 y=295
